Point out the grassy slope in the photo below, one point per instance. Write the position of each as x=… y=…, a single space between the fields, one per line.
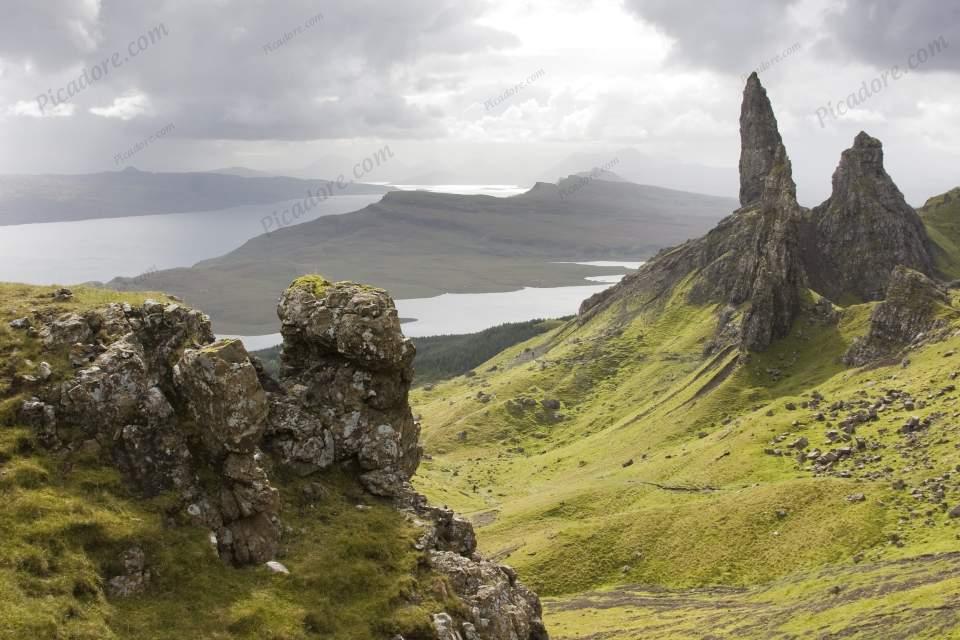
x=64 y=519
x=555 y=499
x=941 y=215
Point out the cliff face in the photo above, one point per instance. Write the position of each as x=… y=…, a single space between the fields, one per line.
x=908 y=316
x=759 y=141
x=183 y=415
x=855 y=239
x=757 y=262
x=751 y=260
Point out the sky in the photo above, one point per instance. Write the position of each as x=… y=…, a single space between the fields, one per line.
x=474 y=91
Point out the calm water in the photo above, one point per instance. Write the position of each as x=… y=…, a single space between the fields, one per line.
x=497 y=190
x=455 y=313
x=101 y=249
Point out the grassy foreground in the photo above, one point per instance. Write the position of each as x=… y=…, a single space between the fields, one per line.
x=66 y=518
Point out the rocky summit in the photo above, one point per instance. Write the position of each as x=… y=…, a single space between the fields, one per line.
x=197 y=422
x=759 y=141
x=759 y=260
x=855 y=239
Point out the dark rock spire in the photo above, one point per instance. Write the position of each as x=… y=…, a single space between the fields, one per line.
x=759 y=140
x=864 y=230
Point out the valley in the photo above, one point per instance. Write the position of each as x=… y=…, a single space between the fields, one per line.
x=493 y=320
x=669 y=463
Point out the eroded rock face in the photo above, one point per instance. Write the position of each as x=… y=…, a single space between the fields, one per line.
x=751 y=261
x=759 y=141
x=177 y=411
x=346 y=374
x=854 y=240
x=907 y=316
x=225 y=397
x=756 y=263
x=497 y=605
x=500 y=607
x=149 y=379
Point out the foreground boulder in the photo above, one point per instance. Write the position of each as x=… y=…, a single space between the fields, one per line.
x=180 y=413
x=346 y=375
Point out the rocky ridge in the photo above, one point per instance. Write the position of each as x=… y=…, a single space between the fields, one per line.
x=183 y=414
x=907 y=317
x=855 y=238
x=758 y=262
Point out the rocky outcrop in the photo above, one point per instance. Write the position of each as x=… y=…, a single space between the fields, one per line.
x=759 y=141
x=854 y=240
x=751 y=261
x=177 y=411
x=346 y=374
x=755 y=264
x=908 y=315
x=497 y=605
x=154 y=390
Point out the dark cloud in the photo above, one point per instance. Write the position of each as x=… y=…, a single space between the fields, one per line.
x=737 y=36
x=50 y=34
x=883 y=33
x=729 y=36
x=339 y=70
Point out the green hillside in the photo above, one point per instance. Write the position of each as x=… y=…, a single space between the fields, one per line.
x=941 y=216
x=614 y=453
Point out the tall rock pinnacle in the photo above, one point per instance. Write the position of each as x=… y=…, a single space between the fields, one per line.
x=759 y=140
x=864 y=230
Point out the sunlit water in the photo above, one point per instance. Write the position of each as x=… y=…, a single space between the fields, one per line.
x=457 y=313
x=497 y=190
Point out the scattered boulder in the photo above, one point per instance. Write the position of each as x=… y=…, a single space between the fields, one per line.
x=551 y=404
x=275 y=567
x=135 y=577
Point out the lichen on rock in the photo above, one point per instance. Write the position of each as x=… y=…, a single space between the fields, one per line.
x=346 y=373
x=180 y=413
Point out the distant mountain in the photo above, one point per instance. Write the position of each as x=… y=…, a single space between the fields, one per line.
x=28 y=199
x=243 y=172
x=418 y=244
x=642 y=168
x=600 y=174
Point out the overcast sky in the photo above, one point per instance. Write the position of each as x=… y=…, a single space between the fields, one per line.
x=428 y=77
